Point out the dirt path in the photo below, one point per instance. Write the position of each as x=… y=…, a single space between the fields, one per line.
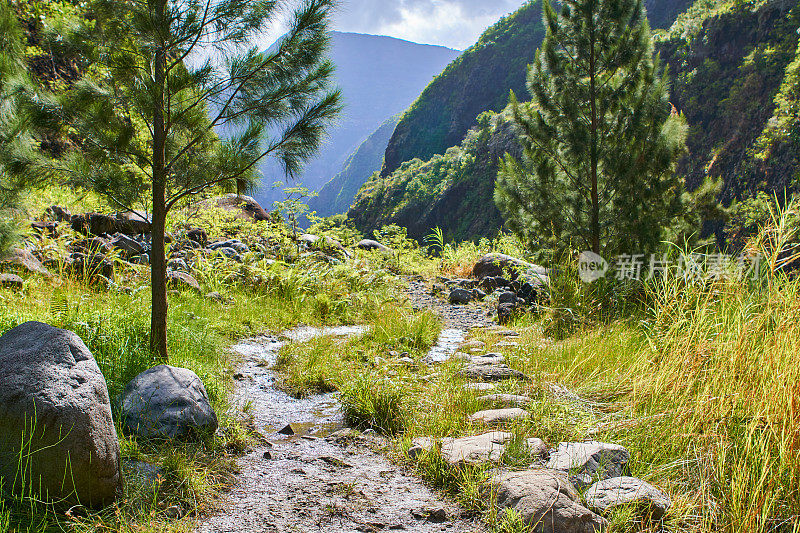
x=325 y=478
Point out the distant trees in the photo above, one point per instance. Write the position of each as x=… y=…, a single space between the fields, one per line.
x=600 y=137
x=166 y=76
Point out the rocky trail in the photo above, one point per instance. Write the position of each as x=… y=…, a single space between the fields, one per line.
x=313 y=474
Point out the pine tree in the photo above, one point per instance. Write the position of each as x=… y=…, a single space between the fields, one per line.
x=166 y=76
x=17 y=155
x=600 y=138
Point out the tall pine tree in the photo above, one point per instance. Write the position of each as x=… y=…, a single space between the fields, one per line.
x=600 y=137
x=173 y=73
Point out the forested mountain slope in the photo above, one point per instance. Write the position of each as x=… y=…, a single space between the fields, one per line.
x=735 y=70
x=480 y=80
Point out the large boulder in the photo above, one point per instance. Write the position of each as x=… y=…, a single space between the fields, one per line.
x=167 y=402
x=546 y=501
x=58 y=213
x=11 y=281
x=604 y=496
x=55 y=400
x=590 y=461
x=244 y=207
x=505 y=266
x=182 y=280
x=459 y=296
x=129 y=246
x=132 y=223
x=474 y=449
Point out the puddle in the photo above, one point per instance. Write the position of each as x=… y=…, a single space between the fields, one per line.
x=273 y=409
x=447 y=344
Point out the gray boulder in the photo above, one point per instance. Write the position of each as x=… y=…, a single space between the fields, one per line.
x=460 y=297
x=369 y=244
x=238 y=246
x=475 y=449
x=496 y=417
x=167 y=402
x=21 y=260
x=55 y=399
x=546 y=501
x=591 y=461
x=605 y=495
x=501 y=265
x=182 y=281
x=512 y=400
x=229 y=252
x=129 y=246
x=491 y=373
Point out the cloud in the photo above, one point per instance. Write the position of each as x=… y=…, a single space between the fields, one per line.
x=453 y=23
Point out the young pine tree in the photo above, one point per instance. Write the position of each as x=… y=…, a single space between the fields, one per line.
x=600 y=137
x=174 y=72
x=20 y=162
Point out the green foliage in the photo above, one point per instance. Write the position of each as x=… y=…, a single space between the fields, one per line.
x=374 y=402
x=452 y=191
x=600 y=144
x=445 y=111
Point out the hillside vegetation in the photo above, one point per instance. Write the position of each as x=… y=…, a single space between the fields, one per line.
x=734 y=71
x=480 y=80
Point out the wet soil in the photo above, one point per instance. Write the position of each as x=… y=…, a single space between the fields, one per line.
x=321 y=477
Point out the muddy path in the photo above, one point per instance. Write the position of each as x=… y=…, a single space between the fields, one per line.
x=324 y=477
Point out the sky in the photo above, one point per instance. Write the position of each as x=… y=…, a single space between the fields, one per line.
x=452 y=23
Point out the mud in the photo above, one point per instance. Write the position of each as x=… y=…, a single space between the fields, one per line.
x=322 y=477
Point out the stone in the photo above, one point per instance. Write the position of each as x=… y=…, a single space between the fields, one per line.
x=182 y=280
x=506 y=399
x=605 y=495
x=90 y=266
x=496 y=417
x=55 y=398
x=197 y=235
x=59 y=214
x=11 y=281
x=492 y=283
x=460 y=297
x=167 y=402
x=491 y=373
x=478 y=294
x=369 y=244
x=536 y=446
x=238 y=246
x=243 y=207
x=215 y=296
x=286 y=430
x=230 y=253
x=178 y=264
x=507 y=312
x=545 y=500
x=590 y=461
x=21 y=260
x=474 y=344
x=475 y=449
x=487 y=359
x=499 y=265
x=507 y=297
x=506 y=344
x=94 y=223
x=132 y=223
x=129 y=246
x=45 y=228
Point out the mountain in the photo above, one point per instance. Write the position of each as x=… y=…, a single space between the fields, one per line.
x=480 y=80
x=337 y=195
x=453 y=191
x=735 y=71
x=379 y=78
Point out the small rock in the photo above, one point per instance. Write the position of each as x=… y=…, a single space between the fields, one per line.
x=11 y=281
x=481 y=387
x=173 y=512
x=605 y=495
x=491 y=373
x=487 y=359
x=493 y=417
x=286 y=430
x=460 y=297
x=267 y=455
x=506 y=399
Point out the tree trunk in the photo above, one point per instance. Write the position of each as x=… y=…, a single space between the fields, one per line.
x=158 y=261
